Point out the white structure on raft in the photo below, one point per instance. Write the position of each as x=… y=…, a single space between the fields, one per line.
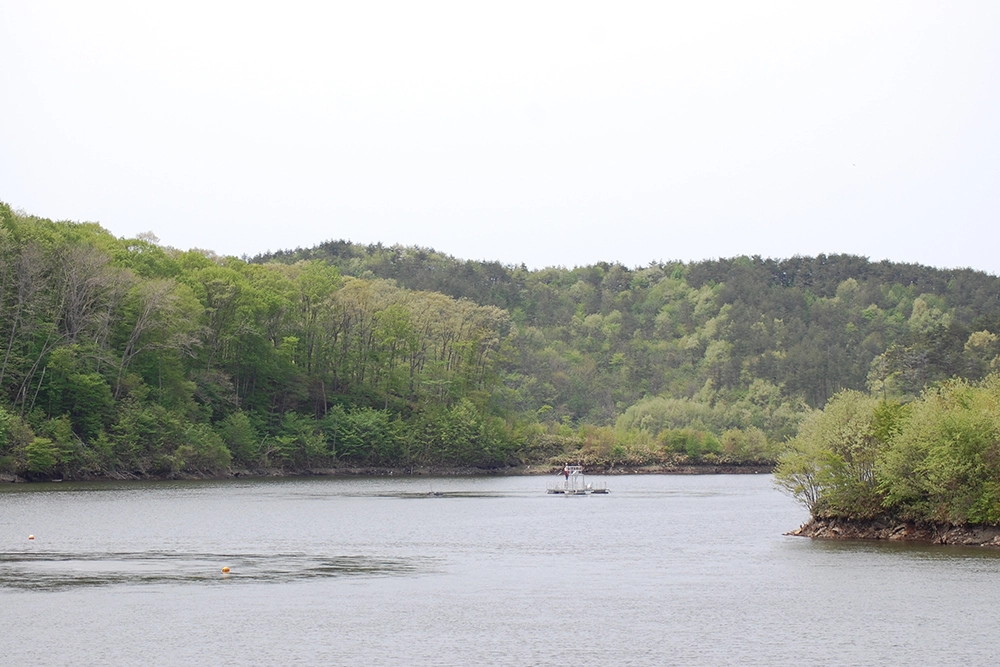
x=575 y=484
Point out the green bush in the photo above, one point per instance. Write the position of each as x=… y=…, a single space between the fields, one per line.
x=240 y=437
x=830 y=465
x=692 y=442
x=41 y=456
x=202 y=451
x=945 y=463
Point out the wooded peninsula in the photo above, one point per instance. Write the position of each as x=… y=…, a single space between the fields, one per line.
x=868 y=383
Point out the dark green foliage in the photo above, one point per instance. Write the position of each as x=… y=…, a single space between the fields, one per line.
x=145 y=439
x=460 y=435
x=118 y=356
x=592 y=340
x=368 y=436
x=128 y=358
x=301 y=442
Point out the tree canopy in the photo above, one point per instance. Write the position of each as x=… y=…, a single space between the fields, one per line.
x=936 y=459
x=122 y=357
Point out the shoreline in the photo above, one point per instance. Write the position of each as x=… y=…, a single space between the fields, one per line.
x=896 y=530
x=415 y=471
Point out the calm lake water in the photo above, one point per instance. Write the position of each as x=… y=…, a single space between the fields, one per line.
x=463 y=571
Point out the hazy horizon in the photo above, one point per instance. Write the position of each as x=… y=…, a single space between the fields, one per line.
x=548 y=134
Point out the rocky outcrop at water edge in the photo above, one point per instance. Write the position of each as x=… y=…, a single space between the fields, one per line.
x=899 y=531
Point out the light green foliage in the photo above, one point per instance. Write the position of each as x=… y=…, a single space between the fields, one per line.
x=70 y=451
x=935 y=459
x=658 y=413
x=755 y=422
x=945 y=464
x=142 y=348
x=926 y=316
x=122 y=352
x=15 y=436
x=831 y=462
x=301 y=441
x=982 y=350
x=750 y=444
x=694 y=443
x=241 y=438
x=41 y=455
x=6 y=428
x=800 y=472
x=202 y=450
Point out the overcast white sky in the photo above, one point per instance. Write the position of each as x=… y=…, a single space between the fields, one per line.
x=549 y=133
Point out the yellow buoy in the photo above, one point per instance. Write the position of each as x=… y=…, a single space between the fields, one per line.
x=225 y=570
x=31 y=537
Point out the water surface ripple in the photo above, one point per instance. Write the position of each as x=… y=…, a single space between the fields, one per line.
x=456 y=571
x=44 y=570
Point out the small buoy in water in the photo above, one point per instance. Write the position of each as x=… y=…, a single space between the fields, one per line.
x=225 y=570
x=31 y=537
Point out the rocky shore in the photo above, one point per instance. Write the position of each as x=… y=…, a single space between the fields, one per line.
x=900 y=531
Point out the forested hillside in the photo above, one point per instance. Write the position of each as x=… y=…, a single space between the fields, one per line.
x=124 y=357
x=716 y=344
x=121 y=357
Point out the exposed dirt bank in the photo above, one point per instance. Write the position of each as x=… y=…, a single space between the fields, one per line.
x=900 y=531
x=703 y=469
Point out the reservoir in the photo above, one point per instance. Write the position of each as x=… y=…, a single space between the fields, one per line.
x=469 y=571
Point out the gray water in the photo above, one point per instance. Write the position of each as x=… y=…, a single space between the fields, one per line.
x=462 y=571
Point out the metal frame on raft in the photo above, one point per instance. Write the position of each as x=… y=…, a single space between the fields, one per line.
x=575 y=484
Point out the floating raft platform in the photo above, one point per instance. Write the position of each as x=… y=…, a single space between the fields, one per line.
x=575 y=484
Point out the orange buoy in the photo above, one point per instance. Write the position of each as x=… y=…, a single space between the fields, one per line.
x=31 y=537
x=225 y=570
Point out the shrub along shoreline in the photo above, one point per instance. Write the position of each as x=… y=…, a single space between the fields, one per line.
x=927 y=470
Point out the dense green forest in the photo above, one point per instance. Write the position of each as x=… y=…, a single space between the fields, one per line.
x=124 y=357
